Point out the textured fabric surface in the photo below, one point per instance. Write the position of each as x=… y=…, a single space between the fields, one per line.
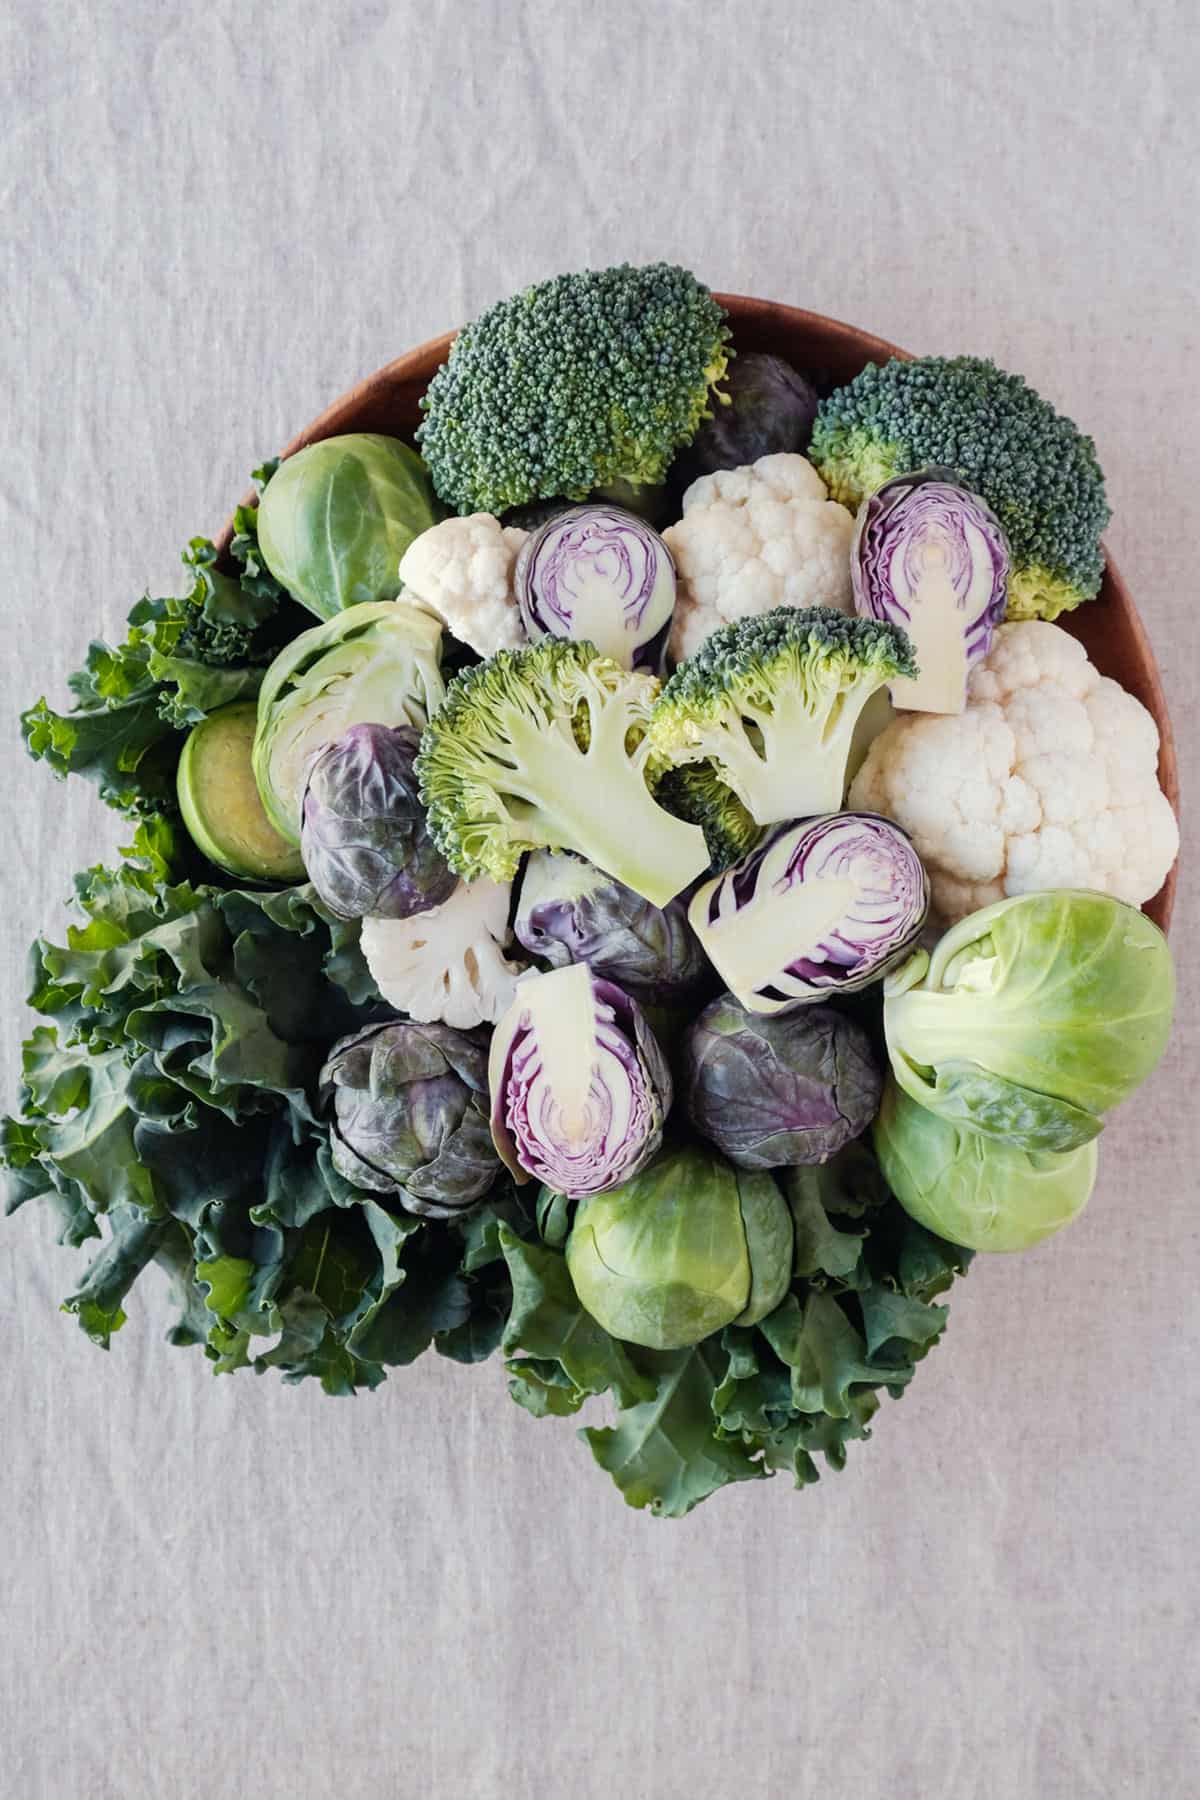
x=215 y=219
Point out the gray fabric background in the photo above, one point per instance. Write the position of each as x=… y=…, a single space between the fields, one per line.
x=215 y=219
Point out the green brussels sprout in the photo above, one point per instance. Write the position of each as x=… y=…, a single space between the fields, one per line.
x=983 y=1192
x=687 y=1246
x=1033 y=1016
x=375 y=664
x=336 y=518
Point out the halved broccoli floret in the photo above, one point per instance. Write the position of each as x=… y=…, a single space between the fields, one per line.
x=1036 y=469
x=545 y=748
x=696 y=792
x=576 y=384
x=770 y=704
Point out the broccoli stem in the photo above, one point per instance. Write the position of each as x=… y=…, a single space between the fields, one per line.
x=596 y=801
x=801 y=766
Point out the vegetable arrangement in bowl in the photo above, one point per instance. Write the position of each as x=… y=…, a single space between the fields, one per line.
x=634 y=879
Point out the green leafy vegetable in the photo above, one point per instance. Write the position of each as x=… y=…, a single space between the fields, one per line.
x=181 y=660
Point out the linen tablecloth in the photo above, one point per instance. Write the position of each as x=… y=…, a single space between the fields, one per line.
x=215 y=219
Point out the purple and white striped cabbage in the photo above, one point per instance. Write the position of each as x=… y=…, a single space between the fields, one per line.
x=602 y=574
x=824 y=906
x=579 y=1086
x=931 y=557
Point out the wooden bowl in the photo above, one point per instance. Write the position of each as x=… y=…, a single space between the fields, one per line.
x=1109 y=626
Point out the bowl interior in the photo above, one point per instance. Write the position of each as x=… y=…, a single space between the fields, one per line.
x=1108 y=627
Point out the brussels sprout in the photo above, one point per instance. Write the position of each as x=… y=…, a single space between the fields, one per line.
x=579 y=1085
x=219 y=801
x=771 y=408
x=409 y=1106
x=373 y=664
x=1033 y=1016
x=568 y=911
x=687 y=1246
x=363 y=835
x=792 y=1088
x=984 y=1192
x=336 y=518
x=602 y=574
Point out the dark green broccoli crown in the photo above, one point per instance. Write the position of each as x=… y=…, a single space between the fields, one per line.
x=1036 y=469
x=572 y=385
x=694 y=791
x=776 y=646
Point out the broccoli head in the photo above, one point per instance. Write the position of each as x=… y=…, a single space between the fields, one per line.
x=584 y=382
x=770 y=703
x=546 y=748
x=1036 y=470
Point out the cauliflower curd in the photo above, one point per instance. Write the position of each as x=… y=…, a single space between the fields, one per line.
x=754 y=538
x=1047 y=780
x=462 y=572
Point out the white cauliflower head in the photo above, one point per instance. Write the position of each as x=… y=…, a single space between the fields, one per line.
x=756 y=537
x=1048 y=779
x=462 y=571
x=447 y=963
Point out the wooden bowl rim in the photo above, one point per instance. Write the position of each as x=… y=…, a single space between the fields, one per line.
x=419 y=363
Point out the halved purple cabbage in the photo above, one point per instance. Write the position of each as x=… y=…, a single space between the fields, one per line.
x=568 y=911
x=602 y=574
x=788 y=1089
x=363 y=834
x=931 y=556
x=579 y=1086
x=824 y=906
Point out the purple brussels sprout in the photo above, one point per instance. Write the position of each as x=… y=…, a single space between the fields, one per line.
x=821 y=907
x=579 y=1086
x=771 y=409
x=363 y=834
x=771 y=1091
x=568 y=911
x=409 y=1117
x=930 y=556
x=600 y=574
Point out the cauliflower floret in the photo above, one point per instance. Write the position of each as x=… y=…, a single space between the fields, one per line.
x=447 y=963
x=756 y=537
x=462 y=571
x=1048 y=779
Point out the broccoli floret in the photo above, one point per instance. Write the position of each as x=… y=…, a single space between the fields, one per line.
x=771 y=702
x=576 y=384
x=1035 y=469
x=545 y=748
x=695 y=792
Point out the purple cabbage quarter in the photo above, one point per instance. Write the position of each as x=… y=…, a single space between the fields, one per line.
x=579 y=1086
x=600 y=574
x=822 y=907
x=930 y=556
